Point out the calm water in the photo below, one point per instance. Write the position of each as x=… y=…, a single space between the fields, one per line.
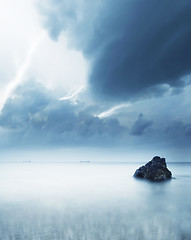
x=92 y=202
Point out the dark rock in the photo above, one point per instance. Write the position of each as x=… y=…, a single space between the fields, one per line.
x=154 y=170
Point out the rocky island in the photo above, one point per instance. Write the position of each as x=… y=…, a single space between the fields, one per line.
x=154 y=170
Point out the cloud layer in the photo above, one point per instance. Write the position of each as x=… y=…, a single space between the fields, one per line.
x=138 y=48
x=33 y=117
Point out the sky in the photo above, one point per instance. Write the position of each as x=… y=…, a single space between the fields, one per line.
x=96 y=74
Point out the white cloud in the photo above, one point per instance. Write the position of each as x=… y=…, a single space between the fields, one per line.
x=23 y=56
x=112 y=110
x=73 y=97
x=57 y=66
x=19 y=29
x=21 y=71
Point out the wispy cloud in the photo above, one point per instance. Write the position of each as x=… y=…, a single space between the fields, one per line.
x=73 y=97
x=112 y=110
x=21 y=71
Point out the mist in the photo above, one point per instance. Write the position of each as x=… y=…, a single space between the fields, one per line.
x=92 y=201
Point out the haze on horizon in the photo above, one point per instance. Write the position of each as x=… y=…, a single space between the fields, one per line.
x=113 y=77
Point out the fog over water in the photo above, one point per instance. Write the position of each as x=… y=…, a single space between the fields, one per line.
x=52 y=201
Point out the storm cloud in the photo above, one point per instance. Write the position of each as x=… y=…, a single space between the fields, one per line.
x=140 y=125
x=138 y=48
x=32 y=116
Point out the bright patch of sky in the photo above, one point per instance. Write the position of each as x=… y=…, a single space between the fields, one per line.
x=28 y=52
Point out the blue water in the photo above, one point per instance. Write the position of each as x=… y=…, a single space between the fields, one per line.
x=89 y=201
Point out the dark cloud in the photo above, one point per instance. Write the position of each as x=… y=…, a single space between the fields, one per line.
x=174 y=135
x=138 y=48
x=177 y=129
x=140 y=125
x=33 y=117
x=54 y=23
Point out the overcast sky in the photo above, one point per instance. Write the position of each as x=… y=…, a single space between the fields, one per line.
x=83 y=73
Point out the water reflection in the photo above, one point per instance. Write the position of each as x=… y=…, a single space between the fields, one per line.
x=91 y=202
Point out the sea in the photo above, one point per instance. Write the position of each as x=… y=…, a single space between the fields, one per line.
x=92 y=201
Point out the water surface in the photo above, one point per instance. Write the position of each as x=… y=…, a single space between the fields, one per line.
x=89 y=201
